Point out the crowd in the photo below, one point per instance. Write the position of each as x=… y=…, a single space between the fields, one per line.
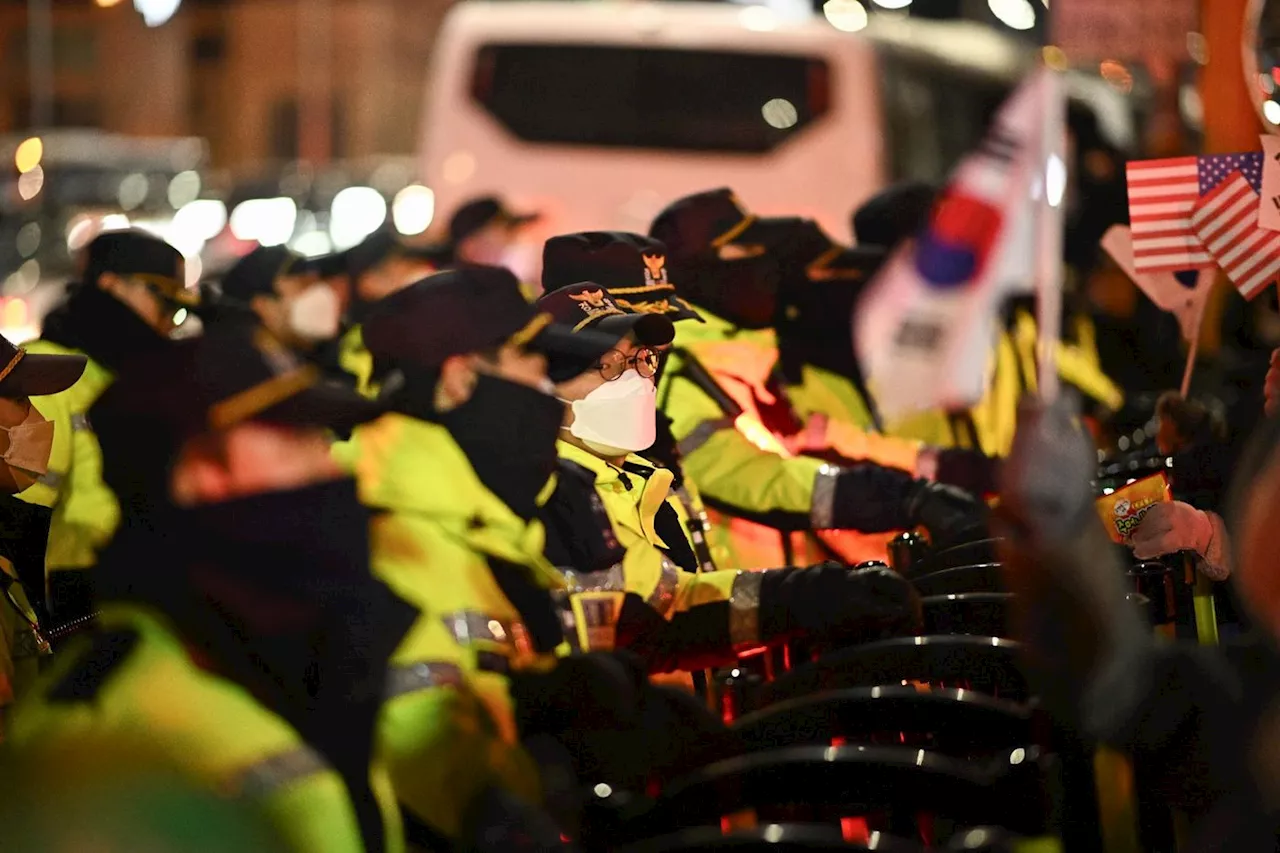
x=401 y=552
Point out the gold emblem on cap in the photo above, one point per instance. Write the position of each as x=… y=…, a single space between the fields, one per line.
x=590 y=299
x=594 y=304
x=655 y=269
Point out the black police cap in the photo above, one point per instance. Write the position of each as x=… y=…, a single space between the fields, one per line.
x=590 y=309
x=631 y=266
x=695 y=226
x=893 y=214
x=367 y=254
x=461 y=311
x=477 y=213
x=29 y=374
x=232 y=374
x=255 y=274
x=137 y=253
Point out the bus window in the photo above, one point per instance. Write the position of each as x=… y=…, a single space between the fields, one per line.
x=678 y=100
x=934 y=114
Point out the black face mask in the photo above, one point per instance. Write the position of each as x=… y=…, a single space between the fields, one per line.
x=743 y=291
x=508 y=432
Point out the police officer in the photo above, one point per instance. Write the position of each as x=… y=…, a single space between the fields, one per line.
x=24 y=528
x=677 y=612
x=280 y=289
x=241 y=630
x=483 y=231
x=735 y=461
x=456 y=469
x=360 y=277
x=122 y=308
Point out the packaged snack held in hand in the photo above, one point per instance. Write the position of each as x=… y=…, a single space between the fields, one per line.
x=1123 y=509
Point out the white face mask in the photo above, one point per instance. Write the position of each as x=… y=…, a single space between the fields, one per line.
x=619 y=417
x=314 y=314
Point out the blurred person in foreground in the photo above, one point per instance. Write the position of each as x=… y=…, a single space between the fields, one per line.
x=360 y=277
x=121 y=311
x=122 y=796
x=676 y=610
x=456 y=470
x=280 y=289
x=1204 y=722
x=242 y=632
x=483 y=231
x=27 y=441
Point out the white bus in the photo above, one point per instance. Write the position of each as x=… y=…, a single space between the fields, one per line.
x=599 y=113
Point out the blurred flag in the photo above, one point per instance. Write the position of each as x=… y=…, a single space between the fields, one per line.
x=1162 y=196
x=925 y=329
x=1226 y=222
x=1183 y=295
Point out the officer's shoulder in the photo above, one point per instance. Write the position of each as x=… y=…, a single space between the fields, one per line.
x=100 y=659
x=573 y=475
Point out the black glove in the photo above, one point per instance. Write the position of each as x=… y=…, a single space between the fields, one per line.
x=594 y=690
x=952 y=516
x=674 y=734
x=831 y=601
x=971 y=470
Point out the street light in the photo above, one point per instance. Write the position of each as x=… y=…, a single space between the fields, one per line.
x=156 y=12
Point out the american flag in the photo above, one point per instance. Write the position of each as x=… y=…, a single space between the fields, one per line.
x=1162 y=196
x=1226 y=222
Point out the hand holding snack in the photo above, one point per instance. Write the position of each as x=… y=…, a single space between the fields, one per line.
x=1170 y=527
x=1122 y=511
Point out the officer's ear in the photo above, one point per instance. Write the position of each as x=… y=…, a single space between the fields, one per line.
x=457 y=381
x=111 y=283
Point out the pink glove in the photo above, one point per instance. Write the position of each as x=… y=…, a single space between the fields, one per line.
x=1171 y=527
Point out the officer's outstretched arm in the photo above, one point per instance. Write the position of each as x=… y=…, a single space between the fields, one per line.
x=742 y=479
x=680 y=620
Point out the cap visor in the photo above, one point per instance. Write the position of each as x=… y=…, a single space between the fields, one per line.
x=650 y=330
x=520 y=219
x=558 y=340
x=325 y=404
x=38 y=375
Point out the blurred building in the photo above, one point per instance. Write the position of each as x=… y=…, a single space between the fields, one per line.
x=237 y=72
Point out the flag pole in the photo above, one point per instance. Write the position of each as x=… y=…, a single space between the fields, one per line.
x=1049 y=238
x=1191 y=362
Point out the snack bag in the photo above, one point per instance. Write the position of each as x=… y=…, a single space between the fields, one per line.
x=1124 y=508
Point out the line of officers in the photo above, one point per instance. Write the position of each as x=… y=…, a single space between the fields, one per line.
x=392 y=552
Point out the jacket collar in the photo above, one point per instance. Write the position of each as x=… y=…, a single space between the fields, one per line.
x=648 y=485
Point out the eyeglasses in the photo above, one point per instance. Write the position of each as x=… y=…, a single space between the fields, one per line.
x=613 y=363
